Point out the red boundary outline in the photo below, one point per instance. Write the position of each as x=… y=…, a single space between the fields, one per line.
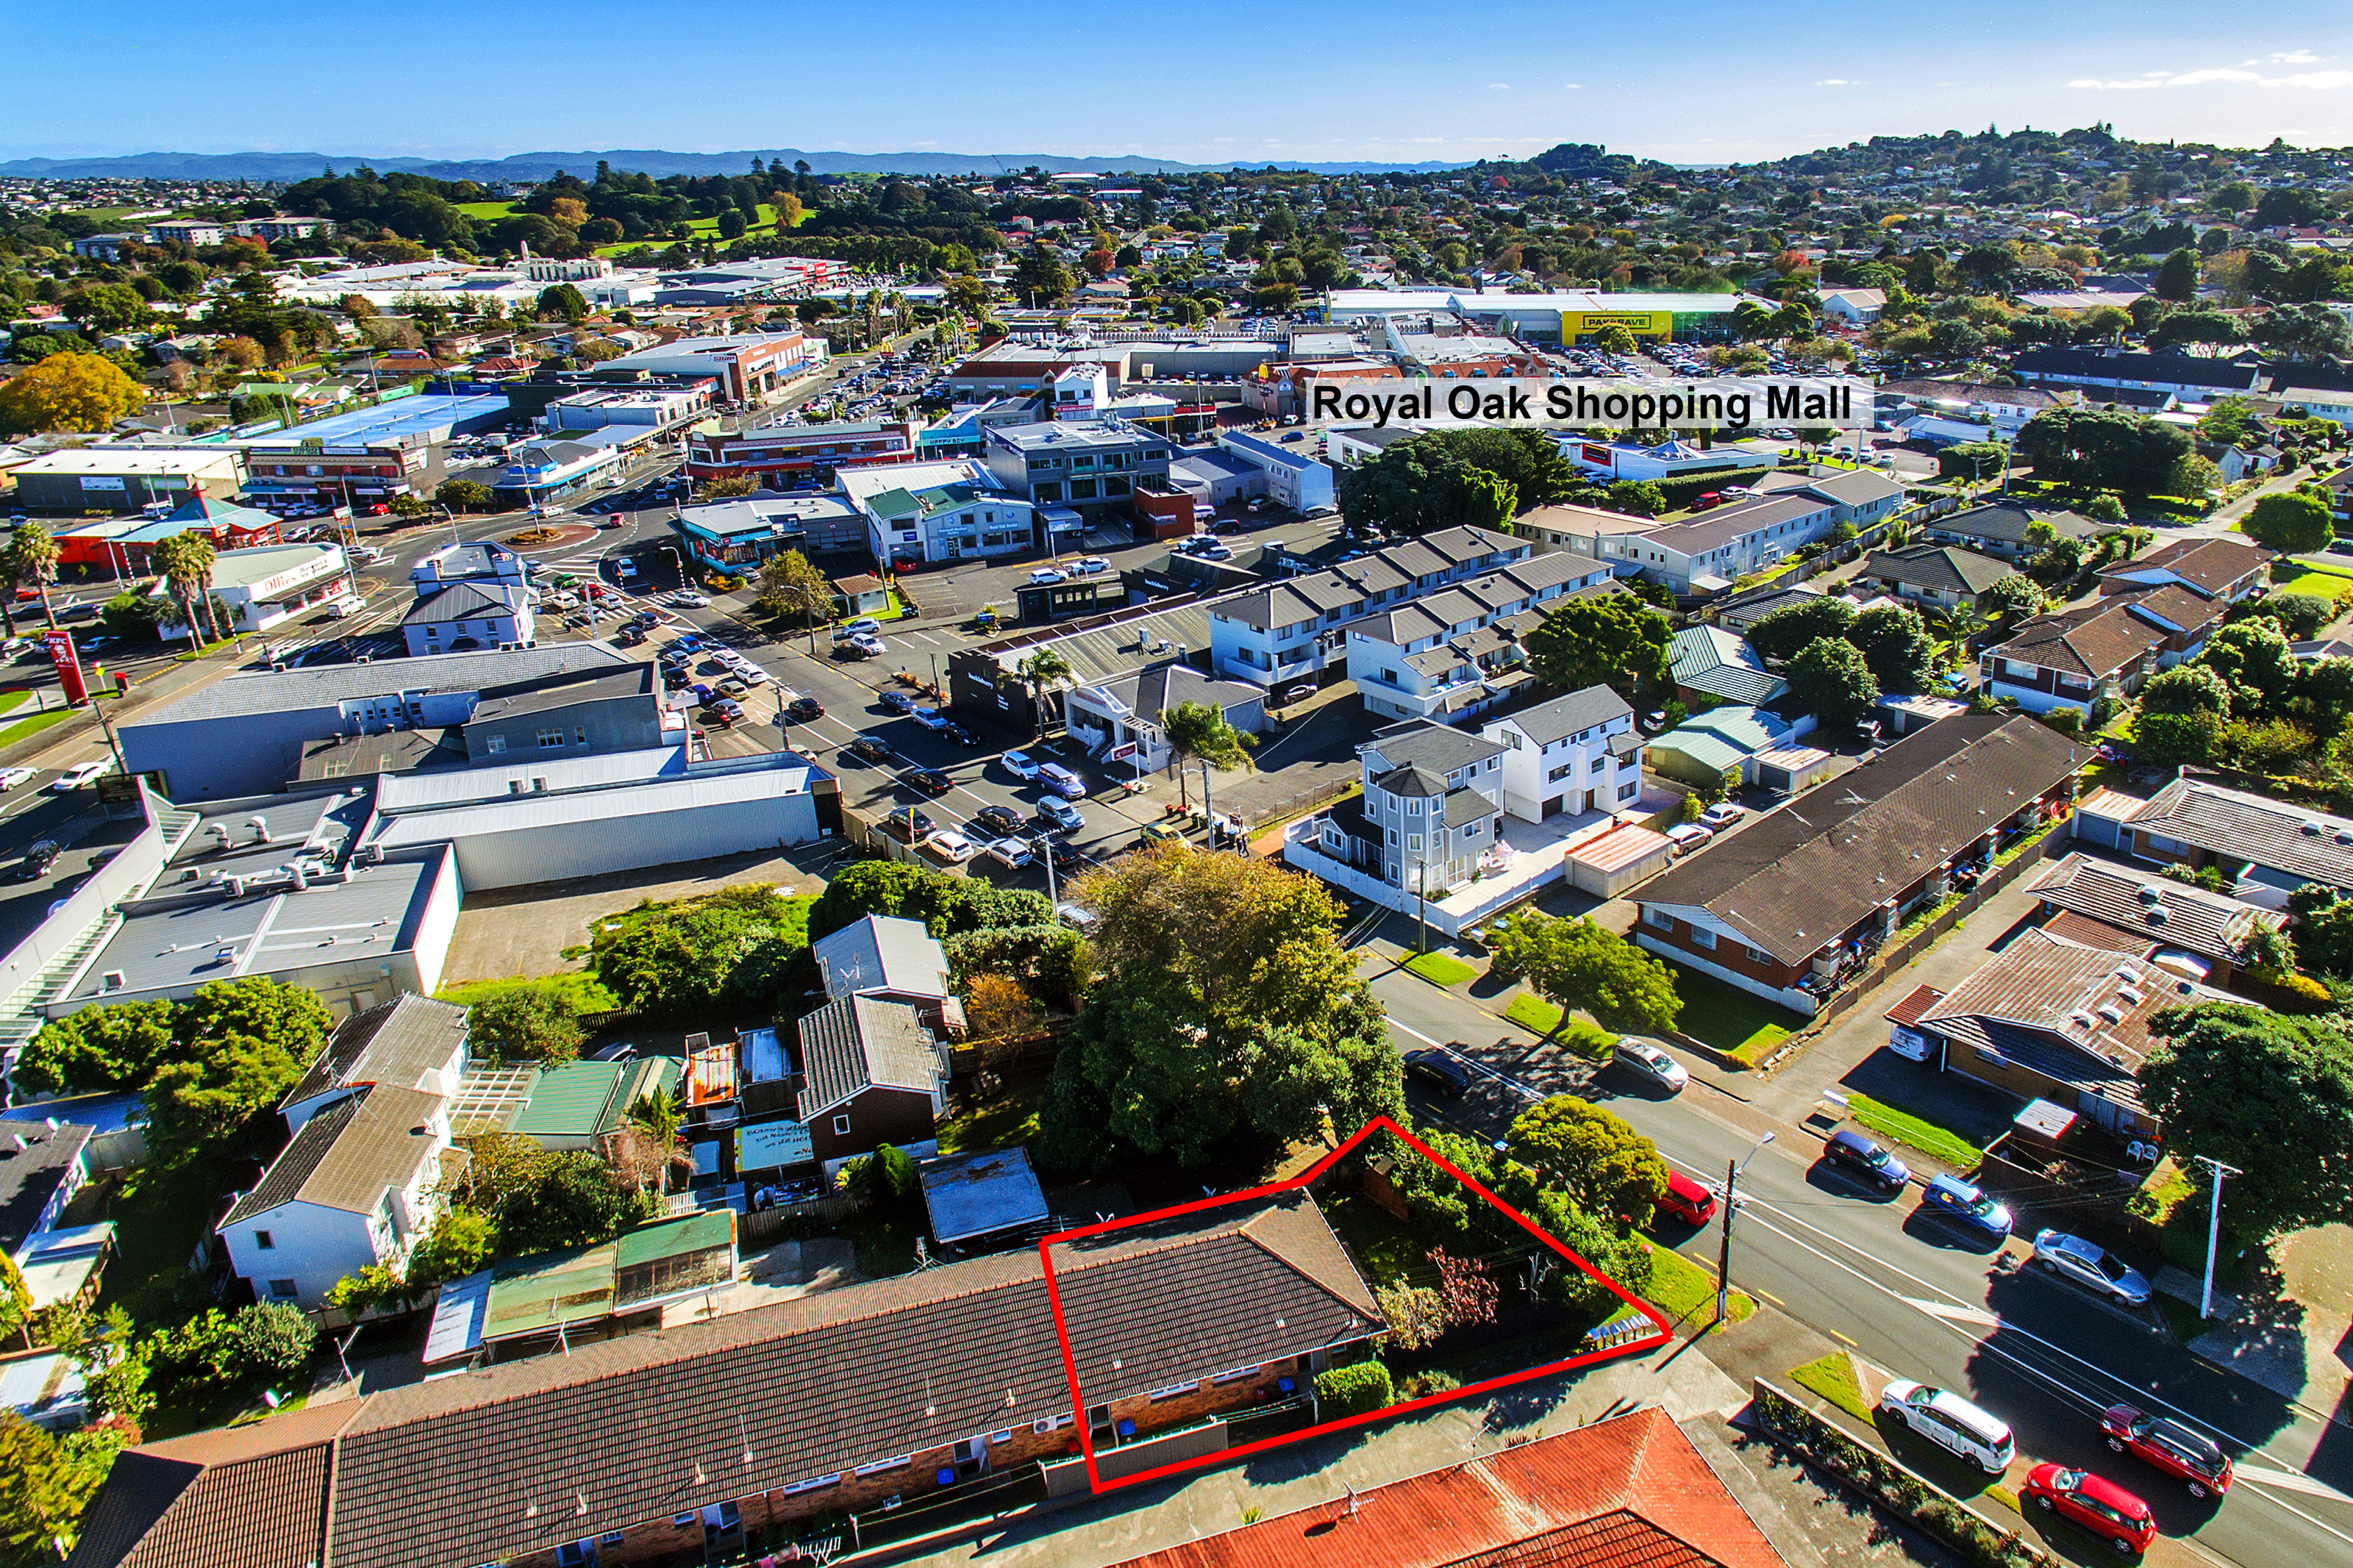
x=1665 y=1334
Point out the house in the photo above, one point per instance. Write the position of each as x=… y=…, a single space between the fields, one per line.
x=776 y=454
x=1935 y=577
x=2007 y=530
x=1132 y=710
x=1576 y=753
x=988 y=1192
x=1630 y=1489
x=2048 y=1018
x=872 y=1074
x=941 y=512
x=2099 y=652
x=2187 y=923
x=1706 y=554
x=1427 y=822
x=1438 y=656
x=412 y=1042
x=1971 y=406
x=1742 y=611
x=1711 y=665
x=43 y=1164
x=892 y=960
x=2267 y=847
x=1723 y=744
x=631 y=1451
x=1853 y=307
x=2226 y=570
x=565 y=1108
x=2236 y=463
x=1858 y=497
x=467 y=615
x=1793 y=903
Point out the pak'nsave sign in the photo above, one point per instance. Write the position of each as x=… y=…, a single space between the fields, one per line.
x=1720 y=403
x=1576 y=324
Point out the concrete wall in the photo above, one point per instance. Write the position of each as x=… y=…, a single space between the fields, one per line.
x=613 y=724
x=548 y=854
x=219 y=758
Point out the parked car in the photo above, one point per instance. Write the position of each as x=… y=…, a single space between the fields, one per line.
x=81 y=773
x=997 y=821
x=1689 y=835
x=1012 y=853
x=1090 y=565
x=931 y=781
x=2090 y=1264
x=726 y=713
x=1967 y=1208
x=951 y=846
x=1160 y=833
x=1853 y=1152
x=1061 y=815
x=909 y=823
x=1689 y=1201
x=1065 y=855
x=866 y=647
x=676 y=679
x=1059 y=780
x=1650 y=1063
x=2171 y=1446
x=2099 y=1505
x=1952 y=1422
x=1722 y=814
x=1020 y=764
x=1438 y=1071
x=731 y=685
x=1050 y=574
x=930 y=717
x=952 y=731
x=867 y=748
x=894 y=702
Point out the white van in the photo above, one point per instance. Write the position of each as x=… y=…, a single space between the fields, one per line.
x=1952 y=1422
x=345 y=605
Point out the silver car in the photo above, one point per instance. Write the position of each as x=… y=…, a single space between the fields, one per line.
x=1652 y=1063
x=2090 y=1265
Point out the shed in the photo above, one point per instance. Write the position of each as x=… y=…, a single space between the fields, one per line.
x=981 y=1195
x=1609 y=863
x=1790 y=769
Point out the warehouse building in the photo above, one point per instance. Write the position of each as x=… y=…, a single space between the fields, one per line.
x=122 y=479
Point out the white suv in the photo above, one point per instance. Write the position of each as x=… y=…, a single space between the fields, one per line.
x=1952 y=1422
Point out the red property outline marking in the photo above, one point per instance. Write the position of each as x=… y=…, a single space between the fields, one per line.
x=1665 y=1334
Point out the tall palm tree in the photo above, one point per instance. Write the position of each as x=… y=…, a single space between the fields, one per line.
x=185 y=563
x=34 y=554
x=1197 y=730
x=1043 y=671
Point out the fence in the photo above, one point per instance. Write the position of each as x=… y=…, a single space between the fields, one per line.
x=786 y=1221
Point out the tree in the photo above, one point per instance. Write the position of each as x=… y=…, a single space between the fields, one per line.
x=2307 y=331
x=1641 y=497
x=2292 y=522
x=1896 y=644
x=2106 y=507
x=462 y=494
x=2177 y=276
x=1582 y=964
x=1615 y=339
x=1831 y=681
x=1610 y=639
x=2322 y=926
x=2269 y=1093
x=1357 y=1389
x=248 y=1041
x=1200 y=730
x=1604 y=1166
x=1454 y=478
x=273 y=1338
x=726 y=950
x=1971 y=460
x=1225 y=1013
x=561 y=301
x=2300 y=616
x=1416 y=1314
x=2100 y=448
x=185 y=564
x=2170 y=739
x=569 y=1200
x=99 y=1049
x=46 y=1482
x=1045 y=670
x=69 y=392
x=2011 y=596
x=2254 y=662
x=2186 y=689
x=1779 y=637
x=531 y=1020
x=790 y=585
x=462 y=1241
x=1040 y=279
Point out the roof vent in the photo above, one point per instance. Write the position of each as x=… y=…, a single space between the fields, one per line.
x=2131 y=993
x=2157 y=916
x=111 y=980
x=2151 y=893
x=2311 y=830
x=2127 y=973
x=2111 y=1012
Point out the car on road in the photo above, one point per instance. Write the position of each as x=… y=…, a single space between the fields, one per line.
x=1061 y=815
x=951 y=846
x=867 y=748
x=1020 y=764
x=38 y=859
x=2190 y=1456
x=11 y=777
x=1050 y=574
x=1160 y=833
x=910 y=823
x=997 y=821
x=1853 y=1152
x=1689 y=835
x=958 y=735
x=1722 y=814
x=1967 y=1207
x=1687 y=1200
x=2090 y=1264
x=726 y=713
x=1056 y=779
x=1012 y=853
x=1650 y=1063
x=750 y=674
x=81 y=773
x=894 y=701
x=1438 y=1072
x=865 y=646
x=2097 y=1504
x=931 y=781
x=688 y=599
x=930 y=717
x=804 y=710
x=2341 y=547
x=1952 y=1422
x=609 y=522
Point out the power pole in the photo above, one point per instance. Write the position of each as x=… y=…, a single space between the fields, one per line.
x=1732 y=1169
x=2213 y=1230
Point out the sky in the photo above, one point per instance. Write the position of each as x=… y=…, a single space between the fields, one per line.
x=1703 y=81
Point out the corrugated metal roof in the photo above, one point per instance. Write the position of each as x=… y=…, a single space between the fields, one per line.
x=649 y=797
x=274 y=691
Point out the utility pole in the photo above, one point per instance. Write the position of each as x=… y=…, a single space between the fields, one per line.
x=1732 y=1169
x=2214 y=1230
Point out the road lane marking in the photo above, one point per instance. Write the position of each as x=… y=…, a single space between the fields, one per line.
x=1976 y=1315
x=2290 y=1481
x=1832 y=1332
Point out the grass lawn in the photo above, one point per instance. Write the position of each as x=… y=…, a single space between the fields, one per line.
x=1891 y=1121
x=487 y=210
x=1532 y=1013
x=587 y=994
x=1441 y=968
x=235 y=1406
x=12 y=701
x=1379 y=1239
x=158 y=1220
x=1008 y=1118
x=2322 y=584
x=1729 y=1018
x=34 y=725
x=1686 y=1292
x=1832 y=1377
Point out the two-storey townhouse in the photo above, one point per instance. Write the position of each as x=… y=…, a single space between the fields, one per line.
x=1435 y=657
x=2223 y=570
x=1432 y=807
x=2101 y=651
x=1707 y=554
x=1578 y=752
x=2011 y=530
x=1858 y=497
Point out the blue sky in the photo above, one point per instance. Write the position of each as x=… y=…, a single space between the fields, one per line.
x=1707 y=80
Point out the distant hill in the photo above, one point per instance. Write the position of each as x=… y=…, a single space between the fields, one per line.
x=527 y=167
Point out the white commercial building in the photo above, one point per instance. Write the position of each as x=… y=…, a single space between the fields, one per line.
x=265 y=586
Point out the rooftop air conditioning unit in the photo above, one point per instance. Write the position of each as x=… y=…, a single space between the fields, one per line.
x=2151 y=894
x=539 y=786
x=224 y=955
x=236 y=885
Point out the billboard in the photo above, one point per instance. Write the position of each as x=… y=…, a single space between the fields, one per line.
x=1576 y=324
x=769 y=1145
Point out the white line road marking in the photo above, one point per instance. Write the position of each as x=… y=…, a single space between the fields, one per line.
x=2289 y=1481
x=1976 y=1315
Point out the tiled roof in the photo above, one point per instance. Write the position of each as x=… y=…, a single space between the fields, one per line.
x=2009 y=521
x=2159 y=908
x=397 y=1041
x=2209 y=565
x=1910 y=1009
x=2236 y=826
x=1570 y=713
x=2095 y=640
x=856 y=1043
x=1946 y=567
x=1628 y=1491
x=1804 y=875
x=253 y=1496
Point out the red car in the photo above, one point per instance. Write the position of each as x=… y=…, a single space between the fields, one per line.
x=2102 y=1506
x=2171 y=1446
x=1686 y=1200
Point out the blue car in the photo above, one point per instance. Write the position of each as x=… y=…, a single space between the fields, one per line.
x=703 y=694
x=1967 y=1208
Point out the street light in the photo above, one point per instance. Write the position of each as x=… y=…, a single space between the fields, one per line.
x=1724 y=1259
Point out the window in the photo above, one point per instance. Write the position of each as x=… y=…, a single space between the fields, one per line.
x=261 y=1239
x=283 y=1290
x=811 y=1485
x=1658 y=918
x=842 y=1126
x=1470 y=830
x=1702 y=939
x=1413 y=804
x=1561 y=773
x=1082 y=489
x=1043 y=493
x=1757 y=955
x=1235 y=1375
x=1630 y=789
x=497 y=743
x=1175 y=1390
x=580 y=734
x=613 y=1539
x=550 y=740
x=875 y=1467
x=1512 y=739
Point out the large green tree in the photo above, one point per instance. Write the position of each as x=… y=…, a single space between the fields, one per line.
x=2290 y=521
x=1583 y=965
x=1449 y=478
x=727 y=949
x=1896 y=644
x=2268 y=1093
x=1777 y=637
x=2100 y=448
x=1589 y=1152
x=1225 y=1013
x=1830 y=679
x=1610 y=640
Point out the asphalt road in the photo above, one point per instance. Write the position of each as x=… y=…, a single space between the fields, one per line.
x=1915 y=1299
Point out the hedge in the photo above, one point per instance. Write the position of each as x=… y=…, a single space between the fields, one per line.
x=1353 y=1390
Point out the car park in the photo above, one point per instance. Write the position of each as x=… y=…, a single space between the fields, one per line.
x=1652 y=1063
x=1853 y=1152
x=931 y=781
x=1952 y=1422
x=1687 y=1200
x=951 y=846
x=2095 y=1502
x=1020 y=764
x=1967 y=1208
x=2168 y=1445
x=1062 y=814
x=1012 y=853
x=2090 y=1264
x=81 y=773
x=1438 y=1072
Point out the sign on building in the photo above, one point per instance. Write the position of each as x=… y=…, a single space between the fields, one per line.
x=770 y=1145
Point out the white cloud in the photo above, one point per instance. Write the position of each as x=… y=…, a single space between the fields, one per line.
x=2296 y=57
x=1837 y=81
x=2322 y=81
x=1572 y=86
x=1499 y=87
